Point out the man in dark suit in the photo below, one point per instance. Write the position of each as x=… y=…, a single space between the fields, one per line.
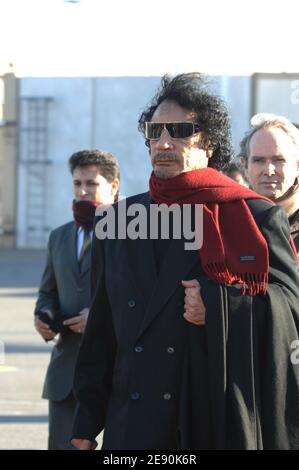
x=63 y=301
x=270 y=157
x=190 y=348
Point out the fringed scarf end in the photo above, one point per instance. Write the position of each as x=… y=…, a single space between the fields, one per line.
x=219 y=272
x=252 y=283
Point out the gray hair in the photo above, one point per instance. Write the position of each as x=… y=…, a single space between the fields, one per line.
x=266 y=121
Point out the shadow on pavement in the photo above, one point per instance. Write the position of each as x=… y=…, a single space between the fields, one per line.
x=23 y=419
x=16 y=348
x=21 y=268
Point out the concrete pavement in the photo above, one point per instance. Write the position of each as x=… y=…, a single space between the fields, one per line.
x=23 y=414
x=24 y=356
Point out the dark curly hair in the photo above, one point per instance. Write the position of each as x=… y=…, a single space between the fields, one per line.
x=188 y=90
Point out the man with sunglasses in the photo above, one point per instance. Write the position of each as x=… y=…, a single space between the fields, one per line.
x=192 y=349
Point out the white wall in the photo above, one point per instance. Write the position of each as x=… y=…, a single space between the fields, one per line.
x=103 y=113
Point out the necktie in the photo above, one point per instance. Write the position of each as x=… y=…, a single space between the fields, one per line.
x=85 y=245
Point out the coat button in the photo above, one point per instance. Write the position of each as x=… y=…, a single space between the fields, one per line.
x=135 y=396
x=138 y=349
x=167 y=396
x=170 y=350
x=131 y=303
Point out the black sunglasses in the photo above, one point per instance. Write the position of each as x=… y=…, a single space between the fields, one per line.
x=176 y=130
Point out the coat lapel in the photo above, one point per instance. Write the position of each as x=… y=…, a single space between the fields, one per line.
x=157 y=288
x=142 y=259
x=177 y=263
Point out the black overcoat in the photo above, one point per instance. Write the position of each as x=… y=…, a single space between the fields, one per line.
x=154 y=381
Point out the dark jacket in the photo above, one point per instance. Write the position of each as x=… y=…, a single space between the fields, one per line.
x=154 y=381
x=66 y=290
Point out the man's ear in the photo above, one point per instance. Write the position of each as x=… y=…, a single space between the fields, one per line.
x=243 y=162
x=243 y=165
x=115 y=186
x=210 y=153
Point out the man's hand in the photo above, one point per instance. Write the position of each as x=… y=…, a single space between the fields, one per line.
x=84 y=444
x=194 y=309
x=43 y=329
x=77 y=324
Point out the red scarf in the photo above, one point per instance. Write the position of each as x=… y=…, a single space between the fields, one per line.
x=84 y=213
x=230 y=233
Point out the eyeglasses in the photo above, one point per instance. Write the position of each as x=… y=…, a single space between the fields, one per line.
x=176 y=130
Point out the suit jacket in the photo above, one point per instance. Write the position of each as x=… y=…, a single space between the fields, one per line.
x=66 y=289
x=141 y=364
